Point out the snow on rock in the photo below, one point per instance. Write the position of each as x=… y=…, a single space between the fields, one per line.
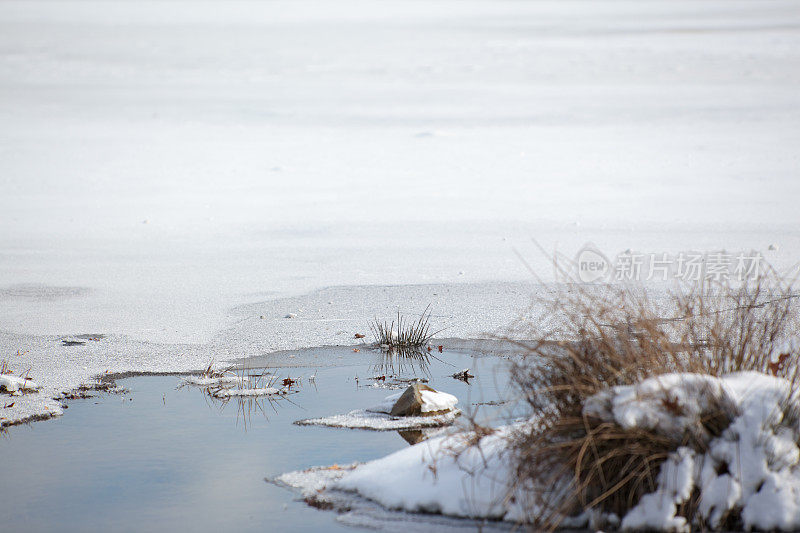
x=433 y=401
x=416 y=399
x=751 y=468
x=17 y=385
x=386 y=404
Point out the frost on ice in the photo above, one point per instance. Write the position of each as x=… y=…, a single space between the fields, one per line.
x=261 y=391
x=215 y=381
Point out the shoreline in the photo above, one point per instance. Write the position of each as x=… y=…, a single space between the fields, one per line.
x=471 y=312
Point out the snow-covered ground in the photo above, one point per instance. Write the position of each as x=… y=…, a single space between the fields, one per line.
x=172 y=171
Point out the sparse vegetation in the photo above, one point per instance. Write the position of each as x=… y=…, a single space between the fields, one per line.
x=591 y=338
x=403 y=334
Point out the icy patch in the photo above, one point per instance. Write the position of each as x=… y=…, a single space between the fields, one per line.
x=312 y=480
x=381 y=421
x=263 y=391
x=219 y=381
x=379 y=418
x=17 y=385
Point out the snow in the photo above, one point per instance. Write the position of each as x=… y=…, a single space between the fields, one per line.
x=261 y=391
x=669 y=405
x=432 y=401
x=173 y=171
x=753 y=466
x=206 y=381
x=381 y=421
x=386 y=404
x=428 y=477
x=378 y=416
x=17 y=385
x=140 y=139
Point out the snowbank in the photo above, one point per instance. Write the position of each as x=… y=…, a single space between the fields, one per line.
x=747 y=468
x=441 y=475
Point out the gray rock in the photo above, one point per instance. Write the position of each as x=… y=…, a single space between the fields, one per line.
x=410 y=402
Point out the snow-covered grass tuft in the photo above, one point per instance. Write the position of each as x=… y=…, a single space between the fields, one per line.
x=212 y=376
x=15 y=385
x=624 y=386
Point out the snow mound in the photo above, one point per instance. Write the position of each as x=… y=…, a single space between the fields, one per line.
x=443 y=475
x=355 y=511
x=381 y=421
x=670 y=405
x=17 y=385
x=751 y=468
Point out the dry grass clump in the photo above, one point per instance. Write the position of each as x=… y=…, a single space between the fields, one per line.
x=592 y=337
x=212 y=372
x=403 y=334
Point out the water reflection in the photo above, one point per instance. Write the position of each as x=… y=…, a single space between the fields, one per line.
x=247 y=406
x=404 y=361
x=415 y=436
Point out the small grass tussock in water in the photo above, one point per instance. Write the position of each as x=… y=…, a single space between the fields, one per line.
x=403 y=334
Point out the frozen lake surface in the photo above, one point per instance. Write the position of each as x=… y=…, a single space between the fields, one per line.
x=167 y=459
x=165 y=161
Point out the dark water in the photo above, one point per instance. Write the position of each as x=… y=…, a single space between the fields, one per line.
x=158 y=459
